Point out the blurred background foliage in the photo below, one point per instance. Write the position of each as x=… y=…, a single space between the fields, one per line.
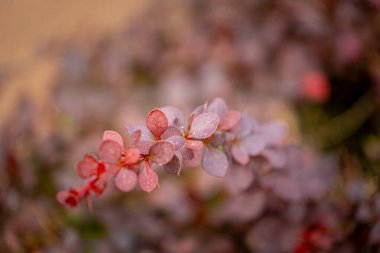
x=70 y=70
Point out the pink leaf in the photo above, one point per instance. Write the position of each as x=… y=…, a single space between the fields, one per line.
x=218 y=139
x=171 y=131
x=215 y=162
x=132 y=156
x=275 y=132
x=110 y=151
x=254 y=144
x=218 y=106
x=286 y=188
x=174 y=166
x=111 y=169
x=187 y=153
x=162 y=152
x=135 y=137
x=204 y=125
x=276 y=157
x=174 y=116
x=239 y=154
x=144 y=146
x=157 y=122
x=126 y=180
x=230 y=119
x=194 y=144
x=229 y=136
x=246 y=207
x=148 y=179
x=113 y=136
x=177 y=141
x=87 y=167
x=198 y=111
x=195 y=161
x=239 y=178
x=146 y=135
x=245 y=126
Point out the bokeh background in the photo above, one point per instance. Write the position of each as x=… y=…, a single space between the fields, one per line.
x=71 y=69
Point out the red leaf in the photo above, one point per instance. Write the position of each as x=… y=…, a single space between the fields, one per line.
x=132 y=156
x=87 y=167
x=110 y=151
x=71 y=201
x=144 y=146
x=157 y=122
x=148 y=179
x=126 y=180
x=135 y=137
x=101 y=168
x=69 y=198
x=98 y=186
x=62 y=196
x=113 y=136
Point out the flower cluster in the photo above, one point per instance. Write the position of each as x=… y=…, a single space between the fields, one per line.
x=213 y=137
